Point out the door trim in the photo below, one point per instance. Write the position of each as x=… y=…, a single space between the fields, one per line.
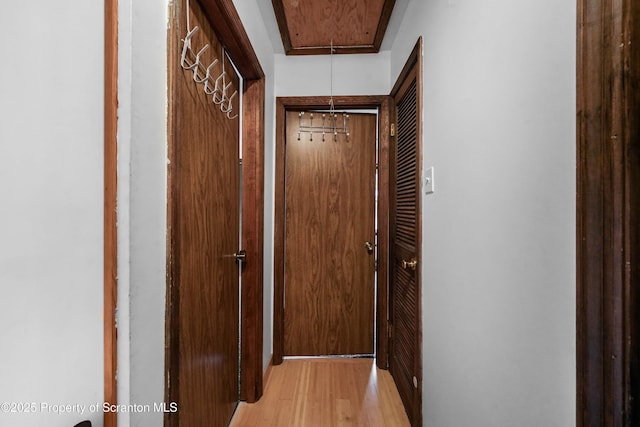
x=110 y=205
x=608 y=224
x=224 y=17
x=226 y=22
x=341 y=102
x=253 y=239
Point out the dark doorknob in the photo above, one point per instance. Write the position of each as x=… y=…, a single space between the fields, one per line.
x=241 y=256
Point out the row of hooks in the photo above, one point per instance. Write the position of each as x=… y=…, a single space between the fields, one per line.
x=216 y=87
x=331 y=127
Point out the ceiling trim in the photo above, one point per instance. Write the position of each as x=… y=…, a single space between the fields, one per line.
x=387 y=9
x=278 y=8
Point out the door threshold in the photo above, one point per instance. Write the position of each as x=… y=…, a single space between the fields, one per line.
x=333 y=356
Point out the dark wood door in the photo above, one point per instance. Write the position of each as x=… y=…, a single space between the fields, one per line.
x=404 y=295
x=204 y=235
x=329 y=219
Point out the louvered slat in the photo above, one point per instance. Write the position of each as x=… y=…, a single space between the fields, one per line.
x=406 y=167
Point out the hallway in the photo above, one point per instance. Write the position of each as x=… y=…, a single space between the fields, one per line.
x=325 y=392
x=525 y=113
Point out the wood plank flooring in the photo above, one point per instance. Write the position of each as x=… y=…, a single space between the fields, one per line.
x=325 y=393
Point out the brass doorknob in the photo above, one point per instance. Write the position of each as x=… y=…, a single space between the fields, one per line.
x=369 y=247
x=412 y=264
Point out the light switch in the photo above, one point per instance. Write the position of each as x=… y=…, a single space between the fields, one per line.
x=429 y=186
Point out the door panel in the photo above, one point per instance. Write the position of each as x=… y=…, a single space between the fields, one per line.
x=404 y=288
x=329 y=215
x=204 y=234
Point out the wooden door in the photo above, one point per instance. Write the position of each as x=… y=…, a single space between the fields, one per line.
x=204 y=235
x=329 y=219
x=404 y=294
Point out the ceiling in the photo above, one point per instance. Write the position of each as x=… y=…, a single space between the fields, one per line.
x=310 y=27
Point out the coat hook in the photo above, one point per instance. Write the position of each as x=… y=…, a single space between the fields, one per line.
x=187 y=47
x=217 y=90
x=207 y=79
x=197 y=64
x=229 y=106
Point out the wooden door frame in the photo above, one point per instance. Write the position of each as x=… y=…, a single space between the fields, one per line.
x=228 y=27
x=110 y=243
x=608 y=211
x=382 y=103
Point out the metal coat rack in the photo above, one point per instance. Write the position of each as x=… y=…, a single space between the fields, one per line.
x=330 y=121
x=329 y=125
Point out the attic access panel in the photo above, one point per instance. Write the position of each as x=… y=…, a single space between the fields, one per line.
x=307 y=27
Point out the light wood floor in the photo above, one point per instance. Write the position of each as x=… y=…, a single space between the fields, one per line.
x=325 y=393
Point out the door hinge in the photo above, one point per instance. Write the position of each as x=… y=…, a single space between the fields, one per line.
x=392 y=130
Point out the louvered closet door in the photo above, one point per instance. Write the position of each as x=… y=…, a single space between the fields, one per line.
x=404 y=343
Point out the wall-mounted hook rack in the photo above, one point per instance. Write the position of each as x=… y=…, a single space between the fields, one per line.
x=205 y=76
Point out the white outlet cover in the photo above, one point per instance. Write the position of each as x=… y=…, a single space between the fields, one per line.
x=429 y=186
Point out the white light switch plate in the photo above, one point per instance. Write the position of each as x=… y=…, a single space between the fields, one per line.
x=429 y=186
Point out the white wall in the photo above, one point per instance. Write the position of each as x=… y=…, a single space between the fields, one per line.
x=499 y=233
x=142 y=206
x=305 y=75
x=51 y=209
